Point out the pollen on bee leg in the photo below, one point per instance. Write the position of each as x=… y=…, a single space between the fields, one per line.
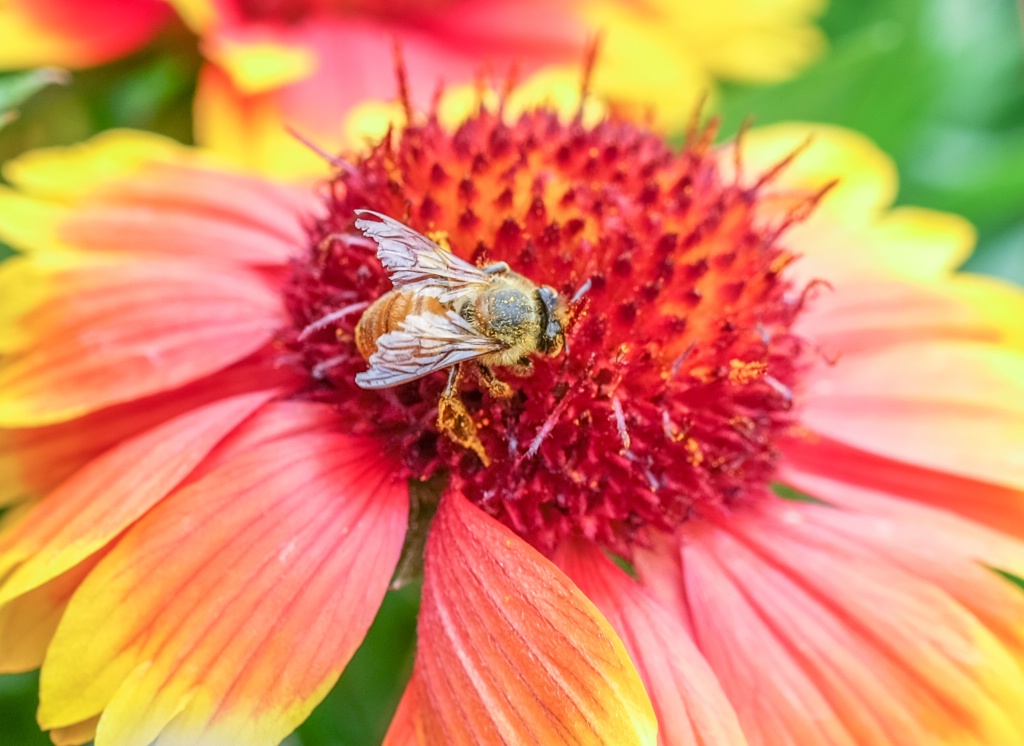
x=495 y=387
x=455 y=421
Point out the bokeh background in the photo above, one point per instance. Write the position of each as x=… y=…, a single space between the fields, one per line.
x=938 y=84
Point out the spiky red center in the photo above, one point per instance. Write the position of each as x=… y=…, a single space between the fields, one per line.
x=677 y=379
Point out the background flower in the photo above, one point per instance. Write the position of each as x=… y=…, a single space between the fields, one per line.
x=271 y=64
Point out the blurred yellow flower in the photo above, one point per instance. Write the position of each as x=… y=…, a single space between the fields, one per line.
x=313 y=64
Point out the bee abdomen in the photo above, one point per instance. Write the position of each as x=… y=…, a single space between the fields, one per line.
x=387 y=313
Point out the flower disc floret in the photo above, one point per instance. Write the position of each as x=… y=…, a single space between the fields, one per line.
x=680 y=367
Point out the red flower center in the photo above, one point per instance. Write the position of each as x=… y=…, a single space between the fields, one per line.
x=677 y=378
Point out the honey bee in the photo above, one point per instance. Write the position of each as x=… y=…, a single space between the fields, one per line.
x=443 y=312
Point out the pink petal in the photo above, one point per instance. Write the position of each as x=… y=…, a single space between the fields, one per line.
x=829 y=642
x=125 y=331
x=935 y=545
x=863 y=316
x=692 y=709
x=37 y=459
x=951 y=406
x=97 y=503
x=239 y=599
x=191 y=213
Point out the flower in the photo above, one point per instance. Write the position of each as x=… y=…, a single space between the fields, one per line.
x=179 y=395
x=269 y=63
x=75 y=34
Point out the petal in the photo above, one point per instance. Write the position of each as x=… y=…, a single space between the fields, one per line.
x=999 y=302
x=257 y=59
x=749 y=40
x=692 y=709
x=143 y=194
x=34 y=460
x=862 y=315
x=868 y=179
x=251 y=131
x=816 y=626
x=66 y=173
x=852 y=233
x=947 y=551
x=955 y=407
x=71 y=33
x=960 y=537
x=860 y=472
x=92 y=507
x=28 y=622
x=188 y=212
x=75 y=735
x=239 y=599
x=127 y=330
x=510 y=651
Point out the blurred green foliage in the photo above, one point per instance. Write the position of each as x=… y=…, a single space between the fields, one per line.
x=938 y=84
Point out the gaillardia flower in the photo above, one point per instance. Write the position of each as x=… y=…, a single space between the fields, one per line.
x=271 y=62
x=778 y=408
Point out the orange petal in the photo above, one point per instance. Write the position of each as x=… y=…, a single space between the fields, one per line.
x=75 y=735
x=97 y=503
x=692 y=709
x=193 y=213
x=239 y=599
x=123 y=331
x=955 y=407
x=510 y=651
x=72 y=33
x=838 y=645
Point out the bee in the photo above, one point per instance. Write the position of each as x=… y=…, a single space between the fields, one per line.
x=444 y=312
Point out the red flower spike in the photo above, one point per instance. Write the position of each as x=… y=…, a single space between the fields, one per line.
x=680 y=365
x=510 y=651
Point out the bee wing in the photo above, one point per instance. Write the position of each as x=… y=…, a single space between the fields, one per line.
x=417 y=263
x=423 y=343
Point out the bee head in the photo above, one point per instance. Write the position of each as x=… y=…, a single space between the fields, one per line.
x=552 y=334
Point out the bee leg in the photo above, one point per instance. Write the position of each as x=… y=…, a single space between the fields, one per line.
x=454 y=420
x=495 y=387
x=497 y=268
x=523 y=367
x=454 y=375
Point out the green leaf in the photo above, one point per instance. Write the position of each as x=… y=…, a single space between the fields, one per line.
x=17 y=88
x=18 y=701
